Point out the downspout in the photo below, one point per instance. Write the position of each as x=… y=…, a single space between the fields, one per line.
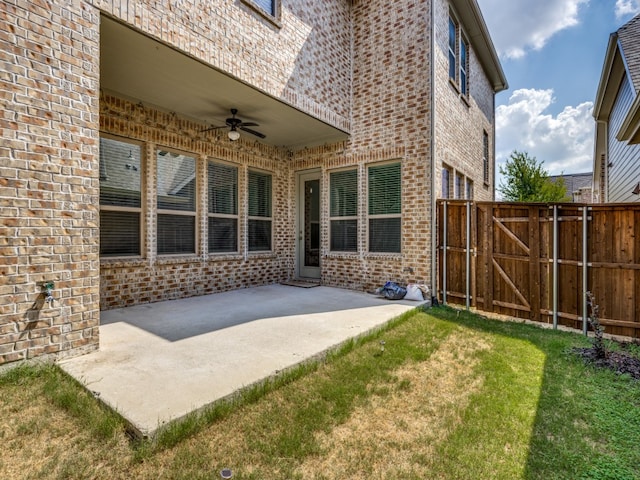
x=434 y=209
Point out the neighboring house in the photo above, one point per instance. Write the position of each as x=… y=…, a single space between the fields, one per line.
x=578 y=185
x=616 y=163
x=115 y=187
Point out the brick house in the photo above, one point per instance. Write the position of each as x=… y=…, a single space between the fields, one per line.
x=126 y=178
x=616 y=162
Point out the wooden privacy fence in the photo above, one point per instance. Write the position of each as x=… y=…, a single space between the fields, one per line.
x=537 y=261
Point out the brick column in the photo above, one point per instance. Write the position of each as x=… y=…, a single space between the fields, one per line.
x=49 y=59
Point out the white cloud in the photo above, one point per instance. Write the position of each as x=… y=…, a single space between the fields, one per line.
x=627 y=7
x=518 y=26
x=564 y=142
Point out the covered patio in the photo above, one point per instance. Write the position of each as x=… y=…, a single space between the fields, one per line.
x=159 y=362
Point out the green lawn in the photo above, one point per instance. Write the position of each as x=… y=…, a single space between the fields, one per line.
x=452 y=396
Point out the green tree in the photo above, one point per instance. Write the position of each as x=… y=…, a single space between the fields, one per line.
x=525 y=180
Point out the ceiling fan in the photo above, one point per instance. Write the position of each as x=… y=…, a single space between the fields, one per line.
x=236 y=124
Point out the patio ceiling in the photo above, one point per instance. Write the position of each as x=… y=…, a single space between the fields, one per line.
x=144 y=70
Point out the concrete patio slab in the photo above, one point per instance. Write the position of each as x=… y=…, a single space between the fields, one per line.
x=158 y=362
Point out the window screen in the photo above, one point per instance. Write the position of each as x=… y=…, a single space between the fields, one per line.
x=176 y=200
x=120 y=198
x=385 y=208
x=259 y=224
x=223 y=208
x=344 y=210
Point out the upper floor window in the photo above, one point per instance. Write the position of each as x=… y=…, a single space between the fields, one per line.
x=344 y=210
x=485 y=157
x=453 y=36
x=176 y=201
x=464 y=67
x=120 y=198
x=268 y=6
x=458 y=57
x=269 y=9
x=385 y=208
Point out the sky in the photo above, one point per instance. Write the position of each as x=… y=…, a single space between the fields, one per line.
x=552 y=53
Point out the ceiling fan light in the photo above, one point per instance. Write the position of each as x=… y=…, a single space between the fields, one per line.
x=233 y=135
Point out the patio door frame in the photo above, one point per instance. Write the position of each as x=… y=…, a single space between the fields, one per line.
x=303 y=271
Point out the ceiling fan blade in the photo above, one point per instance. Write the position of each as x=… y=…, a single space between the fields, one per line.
x=252 y=132
x=212 y=128
x=249 y=124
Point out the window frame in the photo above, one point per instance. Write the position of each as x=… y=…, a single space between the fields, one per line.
x=210 y=215
x=370 y=216
x=468 y=189
x=446 y=183
x=485 y=158
x=186 y=213
x=336 y=218
x=459 y=186
x=256 y=217
x=116 y=208
x=273 y=17
x=461 y=80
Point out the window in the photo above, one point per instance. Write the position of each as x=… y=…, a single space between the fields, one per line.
x=485 y=157
x=223 y=208
x=385 y=209
x=120 y=198
x=268 y=6
x=445 y=182
x=176 y=201
x=464 y=64
x=453 y=35
x=344 y=210
x=269 y=9
x=469 y=190
x=259 y=211
x=459 y=186
x=458 y=57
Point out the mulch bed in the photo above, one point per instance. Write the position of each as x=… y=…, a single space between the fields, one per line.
x=619 y=361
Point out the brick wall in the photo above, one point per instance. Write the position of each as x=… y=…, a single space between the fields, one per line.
x=305 y=62
x=360 y=66
x=48 y=178
x=154 y=278
x=461 y=121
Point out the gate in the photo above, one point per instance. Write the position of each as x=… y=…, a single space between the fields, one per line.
x=538 y=261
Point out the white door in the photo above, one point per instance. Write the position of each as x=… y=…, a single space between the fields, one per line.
x=308 y=225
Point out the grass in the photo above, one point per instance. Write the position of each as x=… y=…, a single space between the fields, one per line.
x=452 y=396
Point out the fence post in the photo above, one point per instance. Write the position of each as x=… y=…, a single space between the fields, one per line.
x=468 y=259
x=555 y=267
x=444 y=253
x=585 y=277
